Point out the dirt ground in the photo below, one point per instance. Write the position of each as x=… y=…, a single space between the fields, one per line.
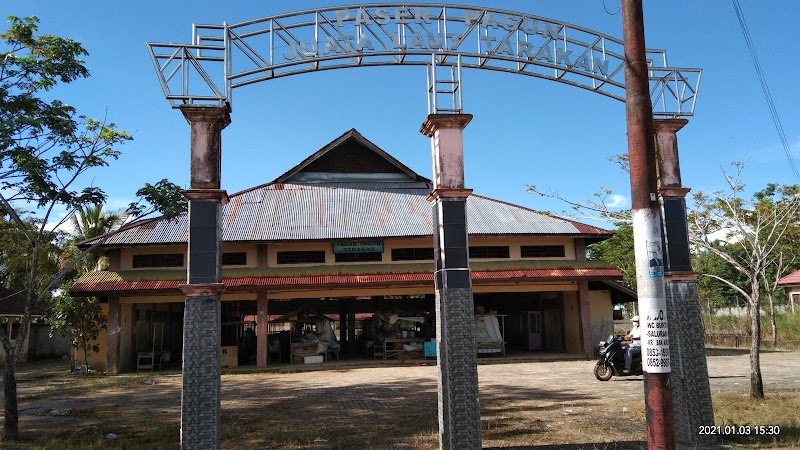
x=524 y=405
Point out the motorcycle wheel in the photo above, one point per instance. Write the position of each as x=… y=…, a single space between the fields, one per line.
x=603 y=372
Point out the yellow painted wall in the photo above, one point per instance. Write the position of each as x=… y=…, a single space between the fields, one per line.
x=126 y=254
x=97 y=361
x=601 y=320
x=602 y=315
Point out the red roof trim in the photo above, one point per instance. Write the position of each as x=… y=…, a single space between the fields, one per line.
x=327 y=280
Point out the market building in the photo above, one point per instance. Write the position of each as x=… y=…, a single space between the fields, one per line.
x=335 y=258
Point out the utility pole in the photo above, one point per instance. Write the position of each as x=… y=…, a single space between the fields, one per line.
x=648 y=244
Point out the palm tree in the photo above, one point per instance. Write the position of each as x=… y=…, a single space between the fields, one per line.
x=91 y=221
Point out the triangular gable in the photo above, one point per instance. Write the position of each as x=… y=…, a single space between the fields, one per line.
x=350 y=153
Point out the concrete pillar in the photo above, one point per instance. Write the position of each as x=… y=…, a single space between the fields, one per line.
x=200 y=397
x=690 y=387
x=459 y=409
x=114 y=328
x=262 y=330
x=584 y=308
x=352 y=345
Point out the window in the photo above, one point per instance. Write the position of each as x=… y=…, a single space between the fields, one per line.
x=489 y=252
x=543 y=251
x=158 y=260
x=234 y=259
x=412 y=254
x=357 y=257
x=301 y=257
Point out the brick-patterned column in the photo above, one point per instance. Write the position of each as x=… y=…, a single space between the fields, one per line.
x=459 y=408
x=200 y=397
x=262 y=330
x=690 y=386
x=113 y=328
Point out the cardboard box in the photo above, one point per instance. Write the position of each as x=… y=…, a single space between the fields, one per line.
x=313 y=359
x=229 y=356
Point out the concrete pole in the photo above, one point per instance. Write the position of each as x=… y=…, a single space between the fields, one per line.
x=584 y=307
x=262 y=330
x=200 y=397
x=648 y=246
x=690 y=386
x=113 y=328
x=457 y=371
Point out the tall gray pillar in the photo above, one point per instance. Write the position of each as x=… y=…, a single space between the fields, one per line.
x=262 y=330
x=584 y=307
x=200 y=397
x=457 y=372
x=113 y=328
x=690 y=386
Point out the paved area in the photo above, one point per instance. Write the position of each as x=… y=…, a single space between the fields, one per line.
x=729 y=371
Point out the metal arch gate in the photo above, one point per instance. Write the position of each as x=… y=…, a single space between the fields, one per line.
x=198 y=78
x=223 y=57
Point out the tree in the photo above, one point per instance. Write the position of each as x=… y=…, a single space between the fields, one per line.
x=16 y=255
x=714 y=292
x=755 y=240
x=748 y=235
x=45 y=147
x=89 y=222
x=618 y=252
x=164 y=197
x=79 y=317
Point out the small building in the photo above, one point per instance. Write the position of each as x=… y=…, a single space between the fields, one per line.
x=792 y=284
x=12 y=307
x=348 y=234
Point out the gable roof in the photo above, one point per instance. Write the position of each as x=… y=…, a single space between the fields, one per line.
x=349 y=189
x=351 y=153
x=790 y=280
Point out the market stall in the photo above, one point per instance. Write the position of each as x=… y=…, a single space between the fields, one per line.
x=311 y=336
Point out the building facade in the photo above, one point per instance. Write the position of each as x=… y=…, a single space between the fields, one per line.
x=792 y=284
x=347 y=234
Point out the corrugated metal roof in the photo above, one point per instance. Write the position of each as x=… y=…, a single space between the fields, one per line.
x=105 y=282
x=342 y=207
x=305 y=212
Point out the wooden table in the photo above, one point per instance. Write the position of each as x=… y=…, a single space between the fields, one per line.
x=394 y=346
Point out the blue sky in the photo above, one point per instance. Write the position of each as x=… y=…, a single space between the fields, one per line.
x=525 y=130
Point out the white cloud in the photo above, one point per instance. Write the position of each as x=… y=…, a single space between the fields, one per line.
x=617 y=201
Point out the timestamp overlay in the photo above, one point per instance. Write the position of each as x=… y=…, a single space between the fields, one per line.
x=739 y=430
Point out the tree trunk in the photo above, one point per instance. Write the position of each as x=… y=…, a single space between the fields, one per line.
x=772 y=321
x=11 y=422
x=756 y=383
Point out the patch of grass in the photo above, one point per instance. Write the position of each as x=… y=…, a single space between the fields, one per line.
x=778 y=409
x=788 y=326
x=272 y=414
x=137 y=437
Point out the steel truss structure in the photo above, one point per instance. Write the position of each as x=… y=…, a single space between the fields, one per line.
x=223 y=57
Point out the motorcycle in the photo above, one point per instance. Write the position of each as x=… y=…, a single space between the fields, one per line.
x=612 y=360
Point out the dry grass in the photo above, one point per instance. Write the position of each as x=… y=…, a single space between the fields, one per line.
x=142 y=410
